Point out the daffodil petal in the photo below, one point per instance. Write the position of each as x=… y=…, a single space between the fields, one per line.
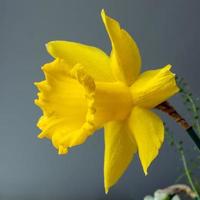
x=125 y=56
x=119 y=151
x=65 y=98
x=148 y=131
x=153 y=87
x=95 y=61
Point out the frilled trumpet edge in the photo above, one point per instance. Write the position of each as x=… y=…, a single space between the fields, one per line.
x=76 y=73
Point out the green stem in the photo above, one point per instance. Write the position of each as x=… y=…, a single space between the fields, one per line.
x=194 y=136
x=194 y=109
x=188 y=175
x=170 y=110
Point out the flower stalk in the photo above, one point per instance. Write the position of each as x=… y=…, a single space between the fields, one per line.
x=170 y=110
x=188 y=175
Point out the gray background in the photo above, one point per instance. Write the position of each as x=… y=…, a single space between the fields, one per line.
x=166 y=32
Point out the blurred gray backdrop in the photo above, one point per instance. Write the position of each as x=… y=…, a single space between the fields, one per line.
x=166 y=32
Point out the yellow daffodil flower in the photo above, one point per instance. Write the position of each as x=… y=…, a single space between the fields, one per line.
x=85 y=90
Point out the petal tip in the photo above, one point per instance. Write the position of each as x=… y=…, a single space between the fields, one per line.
x=41 y=135
x=106 y=190
x=103 y=15
x=103 y=12
x=145 y=169
x=36 y=101
x=62 y=150
x=49 y=46
x=35 y=83
x=168 y=67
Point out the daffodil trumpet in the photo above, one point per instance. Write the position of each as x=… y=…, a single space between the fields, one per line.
x=170 y=110
x=85 y=90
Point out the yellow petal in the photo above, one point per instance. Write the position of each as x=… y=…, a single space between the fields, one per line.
x=65 y=98
x=95 y=61
x=153 y=87
x=119 y=151
x=148 y=131
x=125 y=56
